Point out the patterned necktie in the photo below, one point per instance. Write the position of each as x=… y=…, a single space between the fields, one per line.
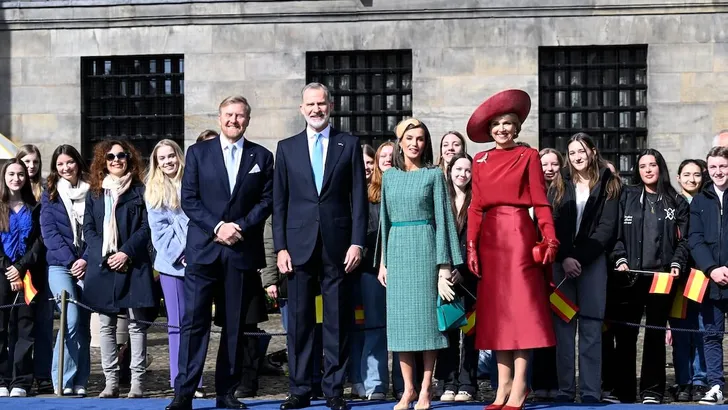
x=317 y=162
x=231 y=171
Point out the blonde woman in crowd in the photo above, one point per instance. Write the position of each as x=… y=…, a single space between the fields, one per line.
x=168 y=226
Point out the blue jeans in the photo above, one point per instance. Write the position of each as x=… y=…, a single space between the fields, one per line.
x=368 y=357
x=76 y=357
x=687 y=348
x=318 y=343
x=714 y=320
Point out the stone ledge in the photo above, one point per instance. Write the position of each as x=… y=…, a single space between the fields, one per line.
x=28 y=15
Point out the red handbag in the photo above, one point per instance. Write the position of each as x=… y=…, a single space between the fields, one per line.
x=540 y=251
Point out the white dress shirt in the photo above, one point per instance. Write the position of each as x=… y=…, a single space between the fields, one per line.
x=226 y=147
x=324 y=141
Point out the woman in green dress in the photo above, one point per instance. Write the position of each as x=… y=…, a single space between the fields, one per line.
x=420 y=245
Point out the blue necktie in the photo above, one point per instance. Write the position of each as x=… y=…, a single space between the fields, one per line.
x=231 y=171
x=317 y=162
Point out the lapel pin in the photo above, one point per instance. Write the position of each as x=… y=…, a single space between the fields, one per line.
x=341 y=144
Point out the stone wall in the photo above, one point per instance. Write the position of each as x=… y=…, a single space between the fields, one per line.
x=462 y=53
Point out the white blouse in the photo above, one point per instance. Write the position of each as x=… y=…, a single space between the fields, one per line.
x=582 y=196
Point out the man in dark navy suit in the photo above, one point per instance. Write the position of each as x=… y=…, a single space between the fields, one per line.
x=319 y=230
x=227 y=192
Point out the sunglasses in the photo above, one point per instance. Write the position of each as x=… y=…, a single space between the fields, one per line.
x=120 y=156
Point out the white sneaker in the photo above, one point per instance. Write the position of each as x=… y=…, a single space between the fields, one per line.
x=713 y=396
x=650 y=400
x=463 y=396
x=4 y=392
x=376 y=397
x=448 y=395
x=79 y=390
x=18 y=392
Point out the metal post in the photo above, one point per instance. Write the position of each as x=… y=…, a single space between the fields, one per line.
x=62 y=338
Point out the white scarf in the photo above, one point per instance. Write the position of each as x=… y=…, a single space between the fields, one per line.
x=113 y=187
x=74 y=199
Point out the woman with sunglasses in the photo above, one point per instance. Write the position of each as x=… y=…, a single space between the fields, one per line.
x=119 y=276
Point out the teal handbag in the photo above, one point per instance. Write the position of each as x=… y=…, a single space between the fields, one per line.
x=450 y=315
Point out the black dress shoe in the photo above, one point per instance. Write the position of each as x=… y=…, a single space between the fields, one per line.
x=295 y=402
x=336 y=403
x=180 y=403
x=229 y=401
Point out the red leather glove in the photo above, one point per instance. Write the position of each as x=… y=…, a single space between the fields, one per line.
x=550 y=255
x=472 y=250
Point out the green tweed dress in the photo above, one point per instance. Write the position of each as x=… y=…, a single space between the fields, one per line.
x=418 y=234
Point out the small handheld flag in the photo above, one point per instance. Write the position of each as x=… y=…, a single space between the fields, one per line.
x=469 y=328
x=661 y=283
x=562 y=305
x=696 y=286
x=319 y=309
x=359 y=315
x=679 y=308
x=29 y=290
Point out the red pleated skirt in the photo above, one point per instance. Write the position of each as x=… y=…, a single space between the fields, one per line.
x=512 y=311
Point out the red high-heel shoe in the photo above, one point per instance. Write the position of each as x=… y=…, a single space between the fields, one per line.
x=497 y=406
x=523 y=403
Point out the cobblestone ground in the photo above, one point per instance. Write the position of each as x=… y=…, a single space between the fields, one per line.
x=271 y=388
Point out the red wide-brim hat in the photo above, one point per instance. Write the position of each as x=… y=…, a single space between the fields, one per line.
x=505 y=102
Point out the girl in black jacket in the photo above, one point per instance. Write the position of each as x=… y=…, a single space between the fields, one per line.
x=21 y=251
x=586 y=207
x=651 y=236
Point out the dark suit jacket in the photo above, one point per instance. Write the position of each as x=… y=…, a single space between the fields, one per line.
x=339 y=214
x=206 y=200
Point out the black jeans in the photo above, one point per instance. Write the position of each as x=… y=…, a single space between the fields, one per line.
x=16 y=325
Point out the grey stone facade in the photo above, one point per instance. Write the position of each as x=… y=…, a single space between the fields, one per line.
x=463 y=51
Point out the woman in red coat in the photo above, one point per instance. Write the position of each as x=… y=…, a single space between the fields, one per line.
x=512 y=305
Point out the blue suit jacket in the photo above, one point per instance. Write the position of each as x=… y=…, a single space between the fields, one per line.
x=206 y=200
x=339 y=213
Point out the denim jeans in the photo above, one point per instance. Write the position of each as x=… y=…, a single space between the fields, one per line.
x=714 y=312
x=368 y=356
x=318 y=343
x=687 y=348
x=43 y=332
x=76 y=359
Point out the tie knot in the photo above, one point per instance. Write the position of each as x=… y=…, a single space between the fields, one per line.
x=317 y=136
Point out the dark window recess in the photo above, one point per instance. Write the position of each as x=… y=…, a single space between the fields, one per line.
x=371 y=90
x=135 y=98
x=601 y=91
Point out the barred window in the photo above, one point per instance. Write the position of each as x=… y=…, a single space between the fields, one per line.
x=601 y=91
x=371 y=90
x=135 y=98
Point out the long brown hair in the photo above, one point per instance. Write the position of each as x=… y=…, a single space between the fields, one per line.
x=462 y=216
x=54 y=177
x=134 y=164
x=26 y=194
x=595 y=165
x=559 y=158
x=35 y=181
x=374 y=191
x=440 y=159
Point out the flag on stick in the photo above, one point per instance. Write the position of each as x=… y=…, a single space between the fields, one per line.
x=679 y=308
x=562 y=306
x=661 y=283
x=696 y=286
x=29 y=290
x=319 y=309
x=359 y=315
x=469 y=328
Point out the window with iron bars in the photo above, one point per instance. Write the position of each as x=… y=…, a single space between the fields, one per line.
x=598 y=90
x=135 y=98
x=371 y=90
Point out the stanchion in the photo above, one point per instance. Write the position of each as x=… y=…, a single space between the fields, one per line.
x=62 y=344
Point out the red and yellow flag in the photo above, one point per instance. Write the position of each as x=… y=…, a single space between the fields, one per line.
x=319 y=309
x=679 y=308
x=359 y=315
x=661 y=283
x=562 y=306
x=29 y=290
x=696 y=286
x=469 y=328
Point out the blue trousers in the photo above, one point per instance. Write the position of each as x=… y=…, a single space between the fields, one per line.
x=688 y=355
x=714 y=320
x=318 y=345
x=368 y=356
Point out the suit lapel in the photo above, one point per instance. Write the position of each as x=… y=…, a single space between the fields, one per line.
x=218 y=156
x=332 y=155
x=246 y=164
x=303 y=160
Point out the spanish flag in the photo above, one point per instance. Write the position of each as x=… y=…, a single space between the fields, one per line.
x=469 y=328
x=679 y=308
x=696 y=286
x=359 y=315
x=28 y=288
x=319 y=309
x=661 y=283
x=562 y=306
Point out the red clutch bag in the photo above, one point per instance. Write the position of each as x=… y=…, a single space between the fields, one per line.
x=539 y=251
x=545 y=251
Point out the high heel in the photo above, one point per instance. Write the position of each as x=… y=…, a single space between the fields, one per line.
x=523 y=403
x=409 y=403
x=424 y=408
x=497 y=406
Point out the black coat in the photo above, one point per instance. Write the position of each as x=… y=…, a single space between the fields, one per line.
x=109 y=290
x=34 y=258
x=598 y=228
x=674 y=243
x=708 y=237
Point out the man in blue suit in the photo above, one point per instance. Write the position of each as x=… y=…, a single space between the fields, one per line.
x=319 y=230
x=227 y=192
